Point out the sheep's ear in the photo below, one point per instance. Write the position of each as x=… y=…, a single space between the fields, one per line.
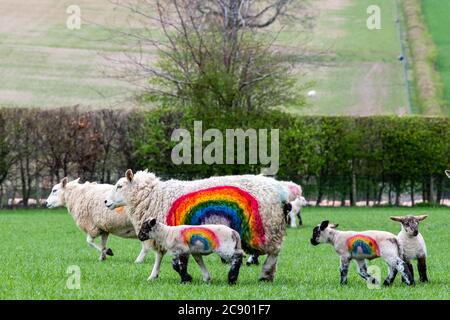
x=64 y=182
x=447 y=172
x=129 y=175
x=422 y=217
x=152 y=222
x=397 y=218
x=334 y=226
x=324 y=225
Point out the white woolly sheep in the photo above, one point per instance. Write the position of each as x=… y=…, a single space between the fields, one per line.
x=290 y=192
x=359 y=246
x=85 y=204
x=183 y=241
x=412 y=244
x=251 y=205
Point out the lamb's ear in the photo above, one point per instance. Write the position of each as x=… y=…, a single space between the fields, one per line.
x=447 y=172
x=397 y=218
x=152 y=222
x=422 y=217
x=129 y=174
x=64 y=182
x=324 y=225
x=334 y=226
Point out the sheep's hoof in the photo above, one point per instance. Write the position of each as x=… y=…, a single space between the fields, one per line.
x=139 y=261
x=232 y=282
x=266 y=279
x=109 y=252
x=152 y=278
x=102 y=257
x=186 y=279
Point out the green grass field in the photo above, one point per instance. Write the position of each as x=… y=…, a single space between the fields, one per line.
x=37 y=247
x=436 y=16
x=44 y=64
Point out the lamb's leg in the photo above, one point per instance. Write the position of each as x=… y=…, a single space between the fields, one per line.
x=391 y=276
x=411 y=270
x=252 y=259
x=201 y=263
x=143 y=253
x=422 y=266
x=403 y=268
x=269 y=268
x=293 y=223
x=157 y=265
x=362 y=271
x=345 y=262
x=180 y=264
x=299 y=216
x=236 y=262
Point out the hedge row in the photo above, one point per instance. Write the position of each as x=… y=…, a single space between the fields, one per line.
x=369 y=159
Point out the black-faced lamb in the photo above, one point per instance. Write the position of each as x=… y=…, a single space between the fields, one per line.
x=412 y=244
x=183 y=241
x=362 y=246
x=84 y=202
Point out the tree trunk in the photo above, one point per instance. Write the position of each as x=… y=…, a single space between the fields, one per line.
x=412 y=194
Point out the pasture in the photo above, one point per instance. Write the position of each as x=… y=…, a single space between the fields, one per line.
x=37 y=247
x=436 y=15
x=44 y=64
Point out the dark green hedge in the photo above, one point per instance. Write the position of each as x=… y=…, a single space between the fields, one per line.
x=334 y=158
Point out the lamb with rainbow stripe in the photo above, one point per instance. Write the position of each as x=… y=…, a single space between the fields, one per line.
x=183 y=240
x=252 y=205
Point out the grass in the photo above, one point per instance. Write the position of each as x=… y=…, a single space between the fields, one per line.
x=436 y=15
x=37 y=247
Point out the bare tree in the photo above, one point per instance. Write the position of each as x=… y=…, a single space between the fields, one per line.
x=213 y=49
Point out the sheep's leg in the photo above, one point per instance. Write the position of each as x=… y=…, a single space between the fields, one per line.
x=91 y=241
x=422 y=266
x=143 y=253
x=253 y=259
x=403 y=268
x=180 y=264
x=201 y=263
x=391 y=276
x=411 y=270
x=105 y=251
x=236 y=262
x=157 y=265
x=362 y=271
x=269 y=268
x=345 y=262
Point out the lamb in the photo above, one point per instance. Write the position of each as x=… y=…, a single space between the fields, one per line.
x=251 y=205
x=412 y=244
x=295 y=212
x=183 y=241
x=85 y=204
x=359 y=246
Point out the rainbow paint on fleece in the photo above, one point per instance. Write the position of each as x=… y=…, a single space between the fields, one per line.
x=234 y=205
x=192 y=236
x=361 y=245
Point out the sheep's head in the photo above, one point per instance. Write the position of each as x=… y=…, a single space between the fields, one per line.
x=148 y=229
x=321 y=233
x=121 y=191
x=56 y=197
x=410 y=223
x=447 y=172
